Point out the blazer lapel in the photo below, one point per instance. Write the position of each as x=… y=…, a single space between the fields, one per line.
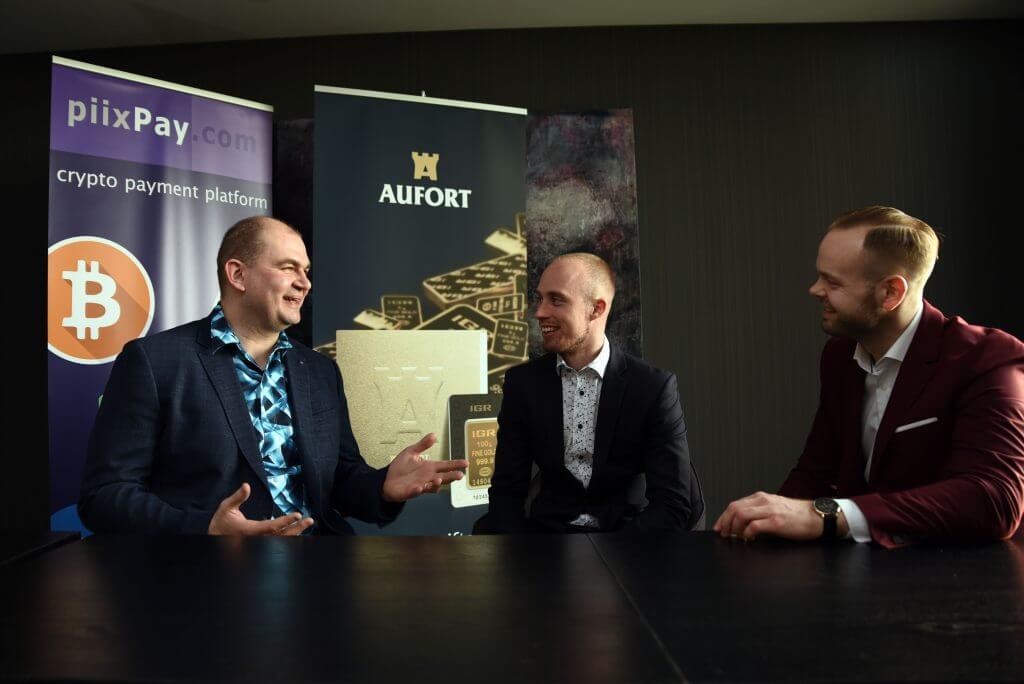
x=549 y=407
x=916 y=370
x=851 y=468
x=221 y=371
x=302 y=419
x=613 y=389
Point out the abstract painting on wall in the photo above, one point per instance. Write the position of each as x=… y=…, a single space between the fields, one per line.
x=581 y=197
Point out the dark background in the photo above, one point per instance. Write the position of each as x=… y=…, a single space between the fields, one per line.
x=749 y=140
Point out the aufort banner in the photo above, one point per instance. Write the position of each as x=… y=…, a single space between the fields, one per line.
x=145 y=178
x=419 y=226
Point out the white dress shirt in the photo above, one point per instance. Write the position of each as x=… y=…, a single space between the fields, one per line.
x=581 y=394
x=879 y=380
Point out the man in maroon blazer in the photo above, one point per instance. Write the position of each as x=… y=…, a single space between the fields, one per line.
x=919 y=433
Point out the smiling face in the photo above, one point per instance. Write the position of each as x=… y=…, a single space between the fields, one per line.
x=845 y=288
x=565 y=311
x=276 y=281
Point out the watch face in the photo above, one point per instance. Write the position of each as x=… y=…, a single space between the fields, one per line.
x=826 y=506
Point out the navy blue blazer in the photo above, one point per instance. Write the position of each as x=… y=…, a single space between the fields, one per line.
x=173 y=438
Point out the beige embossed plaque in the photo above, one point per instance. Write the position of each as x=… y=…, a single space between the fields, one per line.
x=397 y=383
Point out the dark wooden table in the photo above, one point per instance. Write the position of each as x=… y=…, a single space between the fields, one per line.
x=24 y=545
x=605 y=608
x=725 y=610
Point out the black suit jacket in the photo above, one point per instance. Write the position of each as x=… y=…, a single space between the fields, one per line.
x=640 y=429
x=173 y=438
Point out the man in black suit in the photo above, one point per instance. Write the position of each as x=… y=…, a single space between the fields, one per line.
x=226 y=426
x=591 y=418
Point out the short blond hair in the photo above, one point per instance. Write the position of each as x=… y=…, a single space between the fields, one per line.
x=897 y=238
x=600 y=276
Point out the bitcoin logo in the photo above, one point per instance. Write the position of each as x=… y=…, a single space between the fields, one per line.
x=98 y=298
x=80 y=297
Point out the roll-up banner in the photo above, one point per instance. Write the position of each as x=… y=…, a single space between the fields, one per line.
x=145 y=178
x=419 y=231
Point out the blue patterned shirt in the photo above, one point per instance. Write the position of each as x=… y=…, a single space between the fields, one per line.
x=266 y=397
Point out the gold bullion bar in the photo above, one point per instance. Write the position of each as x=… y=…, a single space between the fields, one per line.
x=493 y=277
x=495 y=362
x=461 y=317
x=506 y=241
x=501 y=305
x=329 y=350
x=375 y=320
x=481 y=442
x=405 y=309
x=521 y=289
x=496 y=378
x=510 y=339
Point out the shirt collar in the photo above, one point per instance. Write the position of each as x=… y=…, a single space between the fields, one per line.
x=599 y=364
x=222 y=335
x=897 y=352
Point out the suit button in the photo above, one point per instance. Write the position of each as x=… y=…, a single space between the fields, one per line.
x=580 y=426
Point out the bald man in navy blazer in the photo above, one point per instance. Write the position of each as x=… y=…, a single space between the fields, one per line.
x=226 y=426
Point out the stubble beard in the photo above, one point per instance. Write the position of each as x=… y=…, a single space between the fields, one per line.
x=852 y=328
x=576 y=343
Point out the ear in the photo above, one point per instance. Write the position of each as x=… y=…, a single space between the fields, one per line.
x=600 y=306
x=892 y=290
x=234 y=271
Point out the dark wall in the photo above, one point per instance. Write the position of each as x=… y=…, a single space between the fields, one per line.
x=749 y=140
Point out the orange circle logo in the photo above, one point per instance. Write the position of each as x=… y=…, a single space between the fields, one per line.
x=98 y=298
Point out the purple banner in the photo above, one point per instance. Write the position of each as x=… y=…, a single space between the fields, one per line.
x=144 y=181
x=106 y=116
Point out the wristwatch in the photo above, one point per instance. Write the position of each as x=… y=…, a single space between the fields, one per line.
x=828 y=509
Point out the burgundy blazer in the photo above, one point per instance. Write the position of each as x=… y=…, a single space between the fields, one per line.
x=958 y=477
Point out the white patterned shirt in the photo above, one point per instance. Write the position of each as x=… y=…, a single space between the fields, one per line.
x=581 y=395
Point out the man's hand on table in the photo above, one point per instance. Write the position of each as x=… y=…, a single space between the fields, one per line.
x=229 y=519
x=410 y=475
x=762 y=513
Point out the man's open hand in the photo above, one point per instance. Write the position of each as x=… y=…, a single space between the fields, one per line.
x=410 y=475
x=228 y=519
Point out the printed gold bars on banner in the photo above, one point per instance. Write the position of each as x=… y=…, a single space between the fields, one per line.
x=502 y=306
x=510 y=339
x=464 y=285
x=496 y=378
x=329 y=350
x=462 y=317
x=375 y=320
x=476 y=297
x=405 y=309
x=506 y=241
x=521 y=288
